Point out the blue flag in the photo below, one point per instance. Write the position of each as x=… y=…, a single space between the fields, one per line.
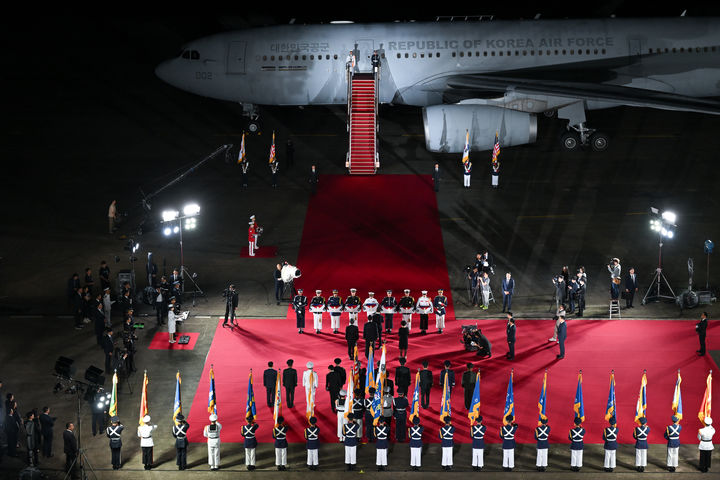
x=610 y=409
x=474 y=411
x=250 y=405
x=212 y=406
x=579 y=405
x=542 y=402
x=509 y=401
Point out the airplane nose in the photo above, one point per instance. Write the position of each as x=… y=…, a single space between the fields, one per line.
x=162 y=71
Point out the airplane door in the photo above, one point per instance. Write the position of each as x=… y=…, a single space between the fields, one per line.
x=236 y=57
x=363 y=52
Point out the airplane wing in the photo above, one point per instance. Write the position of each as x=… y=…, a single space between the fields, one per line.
x=477 y=84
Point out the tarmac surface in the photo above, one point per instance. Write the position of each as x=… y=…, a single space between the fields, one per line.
x=78 y=134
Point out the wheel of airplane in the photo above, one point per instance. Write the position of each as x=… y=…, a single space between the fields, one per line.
x=550 y=113
x=570 y=141
x=253 y=126
x=599 y=142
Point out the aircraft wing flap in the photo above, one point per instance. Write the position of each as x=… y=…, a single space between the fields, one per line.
x=599 y=92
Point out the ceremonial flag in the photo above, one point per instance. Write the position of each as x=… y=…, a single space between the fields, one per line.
x=350 y=396
x=143 y=399
x=579 y=405
x=509 y=400
x=466 y=151
x=376 y=406
x=445 y=410
x=277 y=408
x=241 y=155
x=250 y=405
x=177 y=405
x=496 y=148
x=542 y=402
x=112 y=412
x=310 y=400
x=370 y=372
x=677 y=398
x=706 y=404
x=272 y=150
x=212 y=399
x=382 y=372
x=611 y=408
x=415 y=406
x=641 y=407
x=474 y=411
x=356 y=367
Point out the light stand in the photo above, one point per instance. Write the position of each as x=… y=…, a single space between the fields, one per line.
x=664 y=225
x=186 y=220
x=708 y=247
x=80 y=459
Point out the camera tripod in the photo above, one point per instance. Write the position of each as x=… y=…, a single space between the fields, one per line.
x=198 y=291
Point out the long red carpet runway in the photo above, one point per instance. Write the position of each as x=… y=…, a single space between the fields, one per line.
x=362 y=232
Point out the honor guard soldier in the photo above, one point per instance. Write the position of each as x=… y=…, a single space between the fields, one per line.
x=672 y=435
x=350 y=433
x=244 y=165
x=248 y=431
x=477 y=433
x=576 y=435
x=388 y=306
x=340 y=413
x=542 y=434
x=299 y=304
x=416 y=444
x=507 y=433
x=251 y=239
x=257 y=231
x=352 y=335
x=179 y=431
x=440 y=304
x=382 y=432
x=705 y=436
x=334 y=305
x=407 y=307
x=280 y=436
x=610 y=436
x=269 y=382
x=400 y=406
x=352 y=305
x=145 y=432
x=317 y=306
x=467 y=173
x=369 y=418
x=113 y=432
x=425 y=308
x=312 y=443
x=370 y=306
x=386 y=405
x=450 y=373
x=640 y=434
x=358 y=409
x=447 y=432
x=212 y=433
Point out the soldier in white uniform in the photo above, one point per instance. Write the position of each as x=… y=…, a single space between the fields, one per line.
x=212 y=433
x=424 y=308
x=310 y=382
x=146 y=441
x=370 y=306
x=706 y=447
x=340 y=409
x=317 y=306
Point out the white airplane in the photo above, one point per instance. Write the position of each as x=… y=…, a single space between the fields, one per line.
x=485 y=76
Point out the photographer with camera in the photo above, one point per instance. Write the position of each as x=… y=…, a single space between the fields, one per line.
x=474 y=283
x=615 y=270
x=231 y=304
x=560 y=290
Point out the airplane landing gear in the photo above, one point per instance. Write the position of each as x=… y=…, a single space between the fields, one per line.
x=252 y=112
x=580 y=135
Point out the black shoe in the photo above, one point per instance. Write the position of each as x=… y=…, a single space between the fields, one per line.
x=251 y=468
x=415 y=469
x=560 y=357
x=671 y=469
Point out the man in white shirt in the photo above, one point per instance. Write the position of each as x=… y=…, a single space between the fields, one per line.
x=705 y=436
x=145 y=433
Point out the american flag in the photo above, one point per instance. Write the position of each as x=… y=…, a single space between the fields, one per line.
x=466 y=150
x=496 y=148
x=241 y=155
x=272 y=150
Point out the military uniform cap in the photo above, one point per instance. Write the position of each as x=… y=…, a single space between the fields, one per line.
x=213 y=418
x=313 y=420
x=371 y=293
x=343 y=392
x=440 y=290
x=309 y=365
x=424 y=292
x=407 y=290
x=577 y=421
x=114 y=419
x=252 y=217
x=335 y=290
x=674 y=418
x=146 y=419
x=353 y=289
x=180 y=417
x=387 y=389
x=708 y=421
x=642 y=420
x=318 y=291
x=416 y=420
x=388 y=291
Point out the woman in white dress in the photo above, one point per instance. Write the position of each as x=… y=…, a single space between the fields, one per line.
x=171 y=323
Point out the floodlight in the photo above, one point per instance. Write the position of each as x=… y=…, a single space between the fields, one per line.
x=64 y=367
x=170 y=215
x=136 y=247
x=176 y=229
x=95 y=375
x=670 y=234
x=669 y=217
x=190 y=223
x=191 y=209
x=167 y=231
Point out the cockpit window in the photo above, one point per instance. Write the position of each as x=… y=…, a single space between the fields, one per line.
x=186 y=54
x=195 y=55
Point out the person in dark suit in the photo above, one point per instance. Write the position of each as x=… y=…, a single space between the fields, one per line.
x=450 y=373
x=404 y=338
x=631 y=286
x=402 y=377
x=701 y=329
x=426 y=383
x=47 y=424
x=70 y=446
x=269 y=381
x=98 y=318
x=436 y=177
x=352 y=335
x=340 y=370
x=333 y=384
x=290 y=381
x=508 y=288
x=510 y=331
x=484 y=345
x=231 y=304
x=370 y=334
x=313 y=179
x=561 y=336
x=108 y=348
x=468 y=384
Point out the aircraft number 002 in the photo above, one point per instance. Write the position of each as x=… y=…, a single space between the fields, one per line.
x=203 y=75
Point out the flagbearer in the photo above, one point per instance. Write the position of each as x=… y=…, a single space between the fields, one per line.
x=248 y=431
x=477 y=432
x=416 y=433
x=179 y=431
x=610 y=436
x=340 y=412
x=382 y=432
x=576 y=436
x=705 y=436
x=312 y=443
x=407 y=307
x=672 y=434
x=350 y=432
x=212 y=433
x=145 y=433
x=542 y=434
x=507 y=433
x=447 y=432
x=640 y=434
x=113 y=432
x=369 y=430
x=280 y=436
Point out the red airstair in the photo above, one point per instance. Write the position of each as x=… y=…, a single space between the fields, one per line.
x=362 y=157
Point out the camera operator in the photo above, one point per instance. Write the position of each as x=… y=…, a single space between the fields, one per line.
x=572 y=288
x=484 y=262
x=129 y=339
x=560 y=289
x=231 y=303
x=160 y=303
x=474 y=278
x=615 y=270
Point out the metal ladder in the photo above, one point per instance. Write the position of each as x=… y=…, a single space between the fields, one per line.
x=614 y=308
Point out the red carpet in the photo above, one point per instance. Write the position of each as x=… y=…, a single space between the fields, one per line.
x=160 y=341
x=596 y=346
x=263 y=252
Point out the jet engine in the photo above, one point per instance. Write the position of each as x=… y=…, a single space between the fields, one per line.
x=445 y=127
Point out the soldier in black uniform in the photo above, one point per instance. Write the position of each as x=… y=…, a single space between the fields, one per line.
x=426 y=383
x=370 y=334
x=402 y=377
x=352 y=302
x=352 y=334
x=407 y=302
x=114 y=432
x=375 y=60
x=231 y=303
x=400 y=405
x=299 y=304
x=179 y=431
x=313 y=179
x=290 y=381
x=389 y=302
x=269 y=379
x=358 y=408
